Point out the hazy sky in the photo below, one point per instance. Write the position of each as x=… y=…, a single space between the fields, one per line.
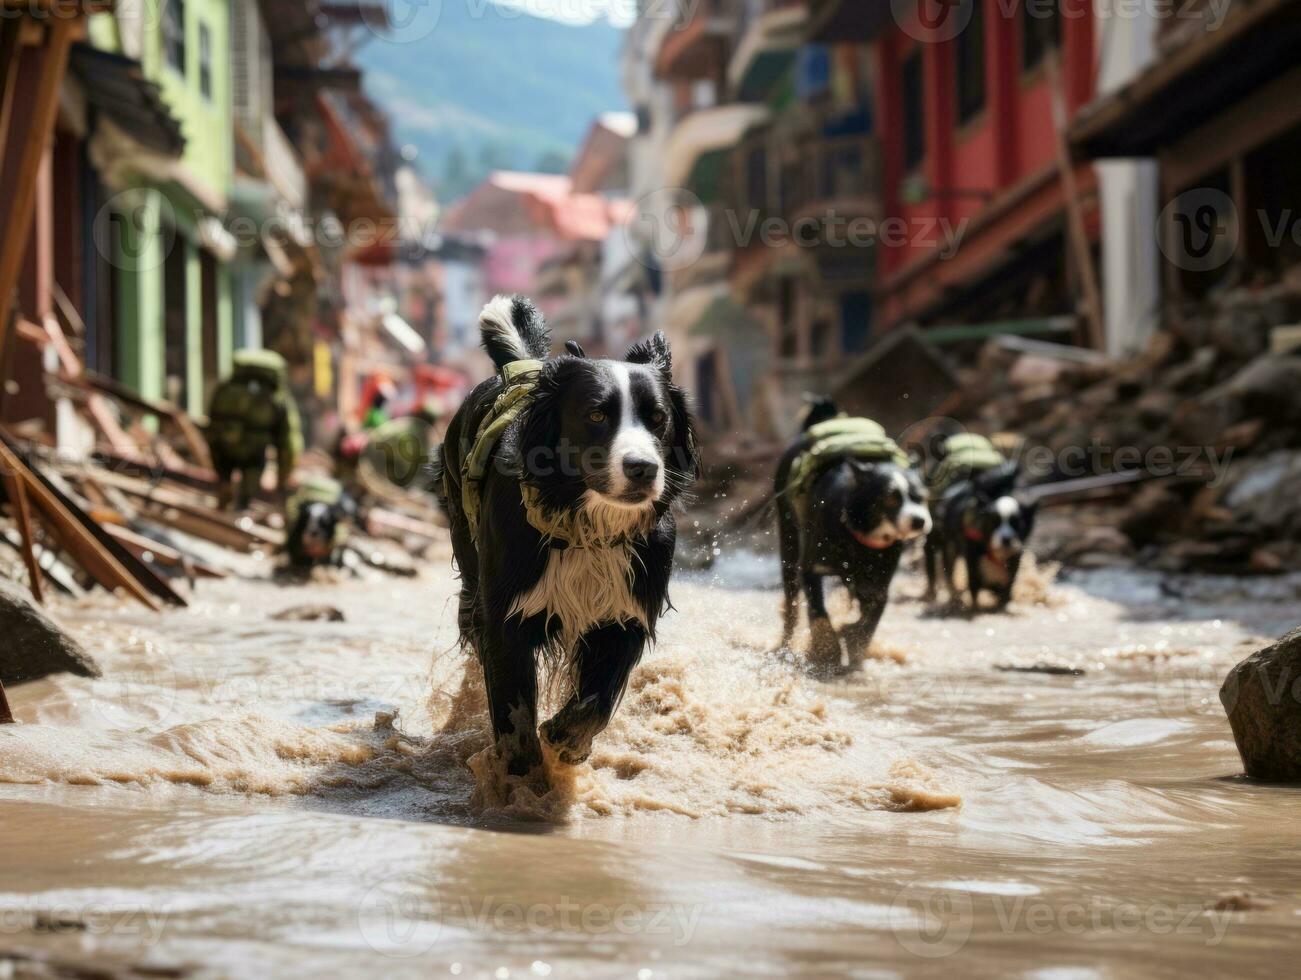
x=620 y=12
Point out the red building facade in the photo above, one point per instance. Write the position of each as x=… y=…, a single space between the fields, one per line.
x=970 y=158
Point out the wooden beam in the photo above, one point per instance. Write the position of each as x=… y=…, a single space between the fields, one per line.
x=1091 y=300
x=17 y=492
x=10 y=35
x=72 y=532
x=34 y=114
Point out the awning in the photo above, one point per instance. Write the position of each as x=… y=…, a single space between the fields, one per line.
x=688 y=306
x=116 y=86
x=1193 y=83
x=767 y=52
x=707 y=131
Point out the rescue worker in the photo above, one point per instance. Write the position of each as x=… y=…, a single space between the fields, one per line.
x=251 y=412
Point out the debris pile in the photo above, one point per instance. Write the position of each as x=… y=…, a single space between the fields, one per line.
x=135 y=510
x=1209 y=416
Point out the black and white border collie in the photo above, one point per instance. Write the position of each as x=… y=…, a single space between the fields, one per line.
x=859 y=518
x=606 y=447
x=980 y=520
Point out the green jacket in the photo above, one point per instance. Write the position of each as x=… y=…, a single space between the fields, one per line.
x=251 y=411
x=831 y=442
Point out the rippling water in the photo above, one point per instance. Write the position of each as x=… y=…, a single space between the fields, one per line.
x=244 y=794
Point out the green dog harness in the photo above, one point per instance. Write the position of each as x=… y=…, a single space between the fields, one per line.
x=834 y=441
x=521 y=380
x=964 y=456
x=567 y=530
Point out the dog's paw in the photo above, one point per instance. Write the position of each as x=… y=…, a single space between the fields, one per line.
x=824 y=649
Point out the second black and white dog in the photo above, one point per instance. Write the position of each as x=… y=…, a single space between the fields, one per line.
x=569 y=555
x=981 y=521
x=856 y=520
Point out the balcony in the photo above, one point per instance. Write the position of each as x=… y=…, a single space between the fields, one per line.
x=695 y=48
x=767 y=50
x=841 y=177
x=699 y=143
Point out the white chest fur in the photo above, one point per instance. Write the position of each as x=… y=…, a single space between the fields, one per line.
x=583 y=588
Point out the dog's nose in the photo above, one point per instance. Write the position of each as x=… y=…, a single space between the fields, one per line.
x=640 y=470
x=919 y=523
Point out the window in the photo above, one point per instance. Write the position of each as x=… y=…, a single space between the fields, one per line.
x=1041 y=31
x=914 y=136
x=971 y=66
x=205 y=62
x=174 y=33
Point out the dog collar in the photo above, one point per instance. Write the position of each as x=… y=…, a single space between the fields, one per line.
x=973 y=534
x=866 y=541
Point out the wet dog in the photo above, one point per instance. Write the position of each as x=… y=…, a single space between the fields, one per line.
x=855 y=520
x=565 y=541
x=315 y=537
x=980 y=520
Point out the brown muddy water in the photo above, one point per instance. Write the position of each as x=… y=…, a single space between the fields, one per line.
x=247 y=797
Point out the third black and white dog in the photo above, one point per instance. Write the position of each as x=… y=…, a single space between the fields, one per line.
x=980 y=520
x=858 y=518
x=571 y=551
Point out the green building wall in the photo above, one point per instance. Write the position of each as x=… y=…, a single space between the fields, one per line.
x=207 y=123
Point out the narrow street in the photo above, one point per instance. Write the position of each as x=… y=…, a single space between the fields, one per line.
x=293 y=797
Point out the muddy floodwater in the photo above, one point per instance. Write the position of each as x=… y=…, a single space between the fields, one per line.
x=243 y=796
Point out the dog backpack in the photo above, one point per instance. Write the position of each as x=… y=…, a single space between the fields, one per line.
x=965 y=456
x=830 y=443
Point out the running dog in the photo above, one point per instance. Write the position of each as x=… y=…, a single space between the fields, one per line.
x=559 y=475
x=846 y=514
x=981 y=521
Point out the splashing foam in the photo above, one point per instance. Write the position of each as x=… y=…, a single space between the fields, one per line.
x=712 y=724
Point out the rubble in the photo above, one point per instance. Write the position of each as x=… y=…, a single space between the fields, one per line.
x=1209 y=407
x=1262 y=697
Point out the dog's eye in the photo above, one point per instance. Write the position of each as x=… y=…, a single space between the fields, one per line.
x=658 y=417
x=596 y=416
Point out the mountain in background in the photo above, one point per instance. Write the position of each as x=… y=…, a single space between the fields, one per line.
x=491 y=88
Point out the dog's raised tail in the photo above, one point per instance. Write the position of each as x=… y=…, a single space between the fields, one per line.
x=818 y=408
x=512 y=329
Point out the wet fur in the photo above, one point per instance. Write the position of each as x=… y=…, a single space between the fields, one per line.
x=588 y=609
x=975 y=502
x=845 y=494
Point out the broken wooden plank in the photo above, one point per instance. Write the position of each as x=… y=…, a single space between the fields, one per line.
x=55 y=571
x=72 y=532
x=143 y=574
x=17 y=492
x=240 y=527
x=147 y=549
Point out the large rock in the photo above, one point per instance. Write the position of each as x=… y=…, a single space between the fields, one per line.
x=33 y=646
x=1262 y=696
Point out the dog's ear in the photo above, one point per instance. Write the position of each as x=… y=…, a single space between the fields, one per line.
x=534 y=443
x=684 y=455
x=575 y=348
x=654 y=351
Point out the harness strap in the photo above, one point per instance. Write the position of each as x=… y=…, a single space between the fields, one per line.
x=520 y=380
x=558 y=530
